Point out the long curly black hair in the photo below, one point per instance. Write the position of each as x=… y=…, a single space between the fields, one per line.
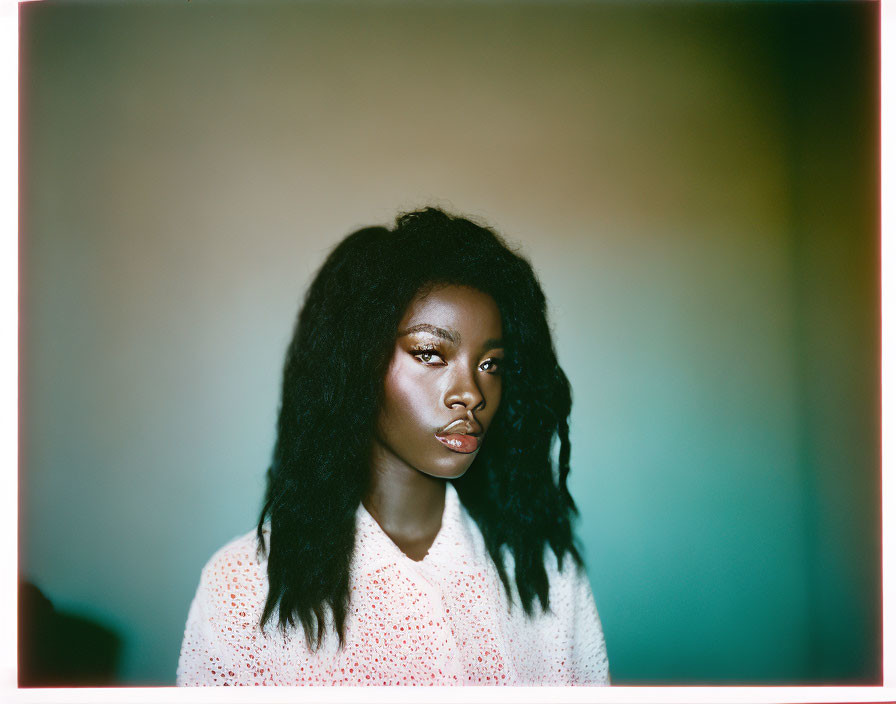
x=333 y=380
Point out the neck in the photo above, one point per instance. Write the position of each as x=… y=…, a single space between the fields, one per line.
x=407 y=503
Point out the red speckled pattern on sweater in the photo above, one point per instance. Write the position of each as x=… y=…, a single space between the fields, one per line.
x=444 y=620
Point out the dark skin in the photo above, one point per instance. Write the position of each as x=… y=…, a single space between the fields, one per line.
x=445 y=368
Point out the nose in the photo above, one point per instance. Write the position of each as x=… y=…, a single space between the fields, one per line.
x=464 y=392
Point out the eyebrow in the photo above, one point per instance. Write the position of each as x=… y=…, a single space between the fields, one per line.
x=449 y=335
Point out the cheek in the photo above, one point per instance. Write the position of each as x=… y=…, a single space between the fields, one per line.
x=409 y=396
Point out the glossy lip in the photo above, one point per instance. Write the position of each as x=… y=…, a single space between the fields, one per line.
x=466 y=432
x=466 y=444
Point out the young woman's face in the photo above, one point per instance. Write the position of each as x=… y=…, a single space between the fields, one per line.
x=444 y=382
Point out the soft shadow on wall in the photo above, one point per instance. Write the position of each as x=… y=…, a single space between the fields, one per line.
x=62 y=649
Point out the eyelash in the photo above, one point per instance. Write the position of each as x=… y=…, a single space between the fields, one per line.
x=495 y=362
x=417 y=351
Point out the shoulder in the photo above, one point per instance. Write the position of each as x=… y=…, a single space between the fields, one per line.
x=223 y=622
x=564 y=576
x=238 y=555
x=236 y=573
x=569 y=583
x=565 y=570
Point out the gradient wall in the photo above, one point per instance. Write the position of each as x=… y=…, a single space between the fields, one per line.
x=696 y=184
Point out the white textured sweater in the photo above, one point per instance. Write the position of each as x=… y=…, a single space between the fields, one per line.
x=441 y=621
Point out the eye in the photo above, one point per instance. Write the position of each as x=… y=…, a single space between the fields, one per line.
x=429 y=357
x=491 y=365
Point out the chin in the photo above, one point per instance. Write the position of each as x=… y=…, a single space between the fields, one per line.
x=450 y=470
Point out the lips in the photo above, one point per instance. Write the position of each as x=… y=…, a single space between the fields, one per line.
x=465 y=444
x=462 y=435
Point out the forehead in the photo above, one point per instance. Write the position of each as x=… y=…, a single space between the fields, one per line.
x=466 y=310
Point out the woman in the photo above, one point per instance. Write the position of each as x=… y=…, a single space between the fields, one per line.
x=415 y=529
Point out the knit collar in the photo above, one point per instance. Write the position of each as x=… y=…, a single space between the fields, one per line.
x=373 y=548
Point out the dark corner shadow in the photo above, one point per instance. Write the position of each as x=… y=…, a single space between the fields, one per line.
x=58 y=649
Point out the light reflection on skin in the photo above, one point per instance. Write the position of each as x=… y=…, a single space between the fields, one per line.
x=446 y=365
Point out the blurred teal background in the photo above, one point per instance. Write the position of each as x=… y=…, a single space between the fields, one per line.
x=697 y=185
